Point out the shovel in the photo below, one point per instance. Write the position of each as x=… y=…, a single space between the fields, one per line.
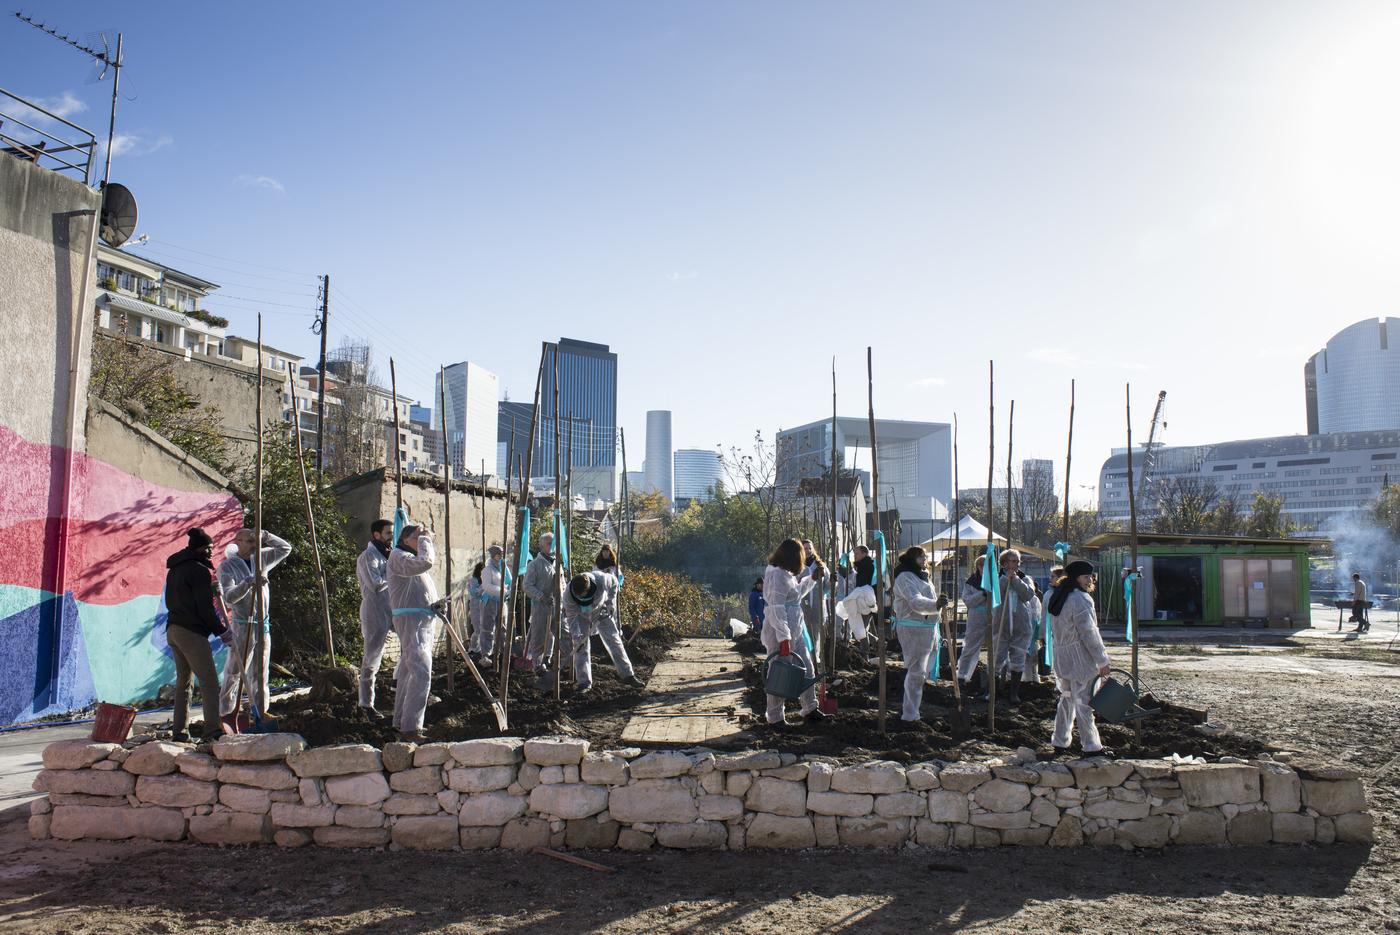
x=496 y=706
x=960 y=720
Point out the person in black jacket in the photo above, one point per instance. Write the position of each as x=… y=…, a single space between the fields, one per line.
x=191 y=619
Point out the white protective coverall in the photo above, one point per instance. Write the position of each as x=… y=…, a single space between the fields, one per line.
x=484 y=610
x=539 y=585
x=236 y=587
x=1030 y=670
x=854 y=606
x=978 y=603
x=1079 y=654
x=598 y=616
x=1014 y=626
x=412 y=593
x=916 y=621
x=376 y=617
x=814 y=610
x=782 y=620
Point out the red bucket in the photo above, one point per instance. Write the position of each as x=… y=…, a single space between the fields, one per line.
x=113 y=724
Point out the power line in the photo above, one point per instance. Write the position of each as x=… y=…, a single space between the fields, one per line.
x=231 y=259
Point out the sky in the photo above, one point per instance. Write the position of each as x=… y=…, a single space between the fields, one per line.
x=1189 y=197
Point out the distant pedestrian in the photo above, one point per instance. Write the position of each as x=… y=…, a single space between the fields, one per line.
x=1080 y=657
x=1359 y=595
x=191 y=618
x=756 y=605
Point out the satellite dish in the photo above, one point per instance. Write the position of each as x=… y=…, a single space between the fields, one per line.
x=118 y=214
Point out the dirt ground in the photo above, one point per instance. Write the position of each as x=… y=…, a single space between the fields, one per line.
x=1345 y=706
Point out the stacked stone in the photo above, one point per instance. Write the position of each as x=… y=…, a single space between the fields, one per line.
x=552 y=791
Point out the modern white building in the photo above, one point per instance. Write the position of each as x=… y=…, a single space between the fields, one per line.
x=1353 y=384
x=145 y=299
x=469 y=416
x=658 y=466
x=697 y=473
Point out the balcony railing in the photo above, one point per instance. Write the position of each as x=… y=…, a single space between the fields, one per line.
x=70 y=152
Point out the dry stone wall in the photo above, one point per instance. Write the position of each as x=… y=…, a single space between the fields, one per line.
x=553 y=791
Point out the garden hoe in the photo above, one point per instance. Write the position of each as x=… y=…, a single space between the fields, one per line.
x=496 y=707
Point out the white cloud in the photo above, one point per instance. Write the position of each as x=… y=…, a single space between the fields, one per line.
x=137 y=144
x=926 y=382
x=682 y=277
x=65 y=105
x=266 y=182
x=1053 y=355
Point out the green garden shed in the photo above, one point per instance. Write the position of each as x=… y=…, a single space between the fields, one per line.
x=1207 y=580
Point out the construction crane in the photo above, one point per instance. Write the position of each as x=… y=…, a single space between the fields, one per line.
x=1149 y=455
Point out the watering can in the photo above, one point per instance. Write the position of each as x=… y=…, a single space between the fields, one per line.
x=1117 y=702
x=786 y=677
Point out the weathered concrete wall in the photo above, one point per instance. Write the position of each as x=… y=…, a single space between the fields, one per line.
x=371 y=496
x=551 y=791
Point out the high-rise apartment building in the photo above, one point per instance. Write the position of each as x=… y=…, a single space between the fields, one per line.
x=659 y=467
x=588 y=402
x=467 y=417
x=697 y=473
x=1353 y=384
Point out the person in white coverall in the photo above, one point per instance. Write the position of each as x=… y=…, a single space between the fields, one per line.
x=539 y=585
x=916 y=609
x=236 y=586
x=978 y=604
x=493 y=588
x=1080 y=657
x=590 y=606
x=814 y=603
x=783 y=628
x=412 y=595
x=1013 y=622
x=376 y=617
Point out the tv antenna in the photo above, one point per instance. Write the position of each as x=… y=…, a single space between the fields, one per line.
x=108 y=59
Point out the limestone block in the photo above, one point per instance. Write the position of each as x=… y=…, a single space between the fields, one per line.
x=849 y=804
x=1069 y=796
x=199 y=766
x=825 y=827
x=1330 y=772
x=756 y=759
x=528 y=777
x=103 y=801
x=284 y=795
x=1219 y=784
x=722 y=807
x=796 y=772
x=780 y=831
x=1280 y=787
x=1124 y=794
x=880 y=776
x=302 y=816
x=340 y=836
x=1098 y=772
x=86 y=782
x=491 y=809
x=40 y=806
x=932 y=834
x=1293 y=828
x=1044 y=812
x=425 y=833
x=1113 y=808
x=359 y=816
x=1018 y=773
x=999 y=795
x=692 y=835
x=900 y=805
x=245 y=799
x=74 y=822
x=947 y=806
x=1027 y=837
x=603 y=769
x=480 y=779
x=253 y=748
x=339 y=760
x=1175 y=806
x=655 y=800
x=1250 y=828
x=1151 y=769
x=1001 y=820
x=1355 y=828
x=154 y=759
x=819 y=777
x=551 y=774
x=76 y=754
x=963 y=835
x=522 y=834
x=361 y=789
x=1068 y=833
x=631 y=840
x=873 y=831
x=176 y=791
x=398 y=755
x=291 y=837
x=985 y=837
x=432 y=754
x=486 y=751
x=921 y=778
x=105 y=765
x=1201 y=826
x=712 y=783
x=449 y=800
x=738 y=782
x=479 y=838
x=312 y=791
x=569 y=800
x=402 y=803
x=571 y=774
x=1053 y=775
x=591 y=833
x=232 y=827
x=963 y=777
x=156 y=824
x=662 y=765
x=554 y=751
x=1102 y=838
x=1145 y=832
x=259 y=775
x=702 y=764
x=1326 y=831
x=778 y=796
x=419 y=780
x=1333 y=798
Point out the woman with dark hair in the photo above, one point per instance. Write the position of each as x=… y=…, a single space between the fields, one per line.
x=785 y=583
x=475 y=605
x=606 y=560
x=1080 y=657
x=915 y=609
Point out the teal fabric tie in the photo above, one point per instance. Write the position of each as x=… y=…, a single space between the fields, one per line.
x=409 y=611
x=525 y=538
x=267 y=622
x=1128 y=603
x=991 y=576
x=400 y=521
x=1061 y=551
x=879 y=556
x=561 y=536
x=1049 y=637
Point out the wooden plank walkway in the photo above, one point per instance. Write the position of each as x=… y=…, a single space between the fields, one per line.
x=694 y=697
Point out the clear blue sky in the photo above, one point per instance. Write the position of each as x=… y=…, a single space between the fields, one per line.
x=1190 y=196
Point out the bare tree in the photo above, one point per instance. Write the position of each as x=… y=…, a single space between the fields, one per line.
x=754 y=473
x=1186 y=505
x=355 y=434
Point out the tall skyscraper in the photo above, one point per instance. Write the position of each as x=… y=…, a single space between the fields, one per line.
x=658 y=465
x=469 y=417
x=512 y=420
x=697 y=472
x=588 y=397
x=1353 y=384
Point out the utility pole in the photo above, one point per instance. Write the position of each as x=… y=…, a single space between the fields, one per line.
x=319 y=327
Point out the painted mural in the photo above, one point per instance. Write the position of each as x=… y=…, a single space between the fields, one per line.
x=103 y=637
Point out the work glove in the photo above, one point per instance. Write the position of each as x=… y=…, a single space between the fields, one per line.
x=440 y=606
x=784 y=648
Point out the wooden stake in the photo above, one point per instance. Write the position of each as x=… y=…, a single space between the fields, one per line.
x=570 y=858
x=311 y=529
x=626 y=502
x=446 y=519
x=1132 y=545
x=957 y=561
x=564 y=528
x=519 y=620
x=835 y=559
x=398 y=462
x=503 y=622
x=254 y=636
x=558 y=622
x=991 y=466
x=1069 y=454
x=875 y=504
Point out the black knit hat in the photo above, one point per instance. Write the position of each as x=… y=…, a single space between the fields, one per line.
x=1078 y=567
x=199 y=539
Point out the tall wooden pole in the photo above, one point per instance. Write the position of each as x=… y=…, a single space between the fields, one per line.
x=991 y=466
x=558 y=622
x=255 y=626
x=519 y=620
x=957 y=574
x=394 y=447
x=446 y=517
x=626 y=501
x=1069 y=455
x=311 y=529
x=503 y=633
x=835 y=545
x=566 y=526
x=1132 y=545
x=875 y=509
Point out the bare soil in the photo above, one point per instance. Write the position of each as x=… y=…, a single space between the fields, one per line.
x=1341 y=709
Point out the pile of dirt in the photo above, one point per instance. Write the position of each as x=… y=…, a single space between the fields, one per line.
x=598 y=715
x=853 y=731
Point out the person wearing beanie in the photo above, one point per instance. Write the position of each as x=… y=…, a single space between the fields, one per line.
x=978 y=604
x=495 y=586
x=540 y=586
x=1079 y=658
x=191 y=619
x=590 y=605
x=412 y=595
x=916 y=608
x=1014 y=623
x=236 y=584
x=376 y=617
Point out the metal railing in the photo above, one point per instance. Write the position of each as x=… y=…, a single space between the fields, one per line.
x=73 y=152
